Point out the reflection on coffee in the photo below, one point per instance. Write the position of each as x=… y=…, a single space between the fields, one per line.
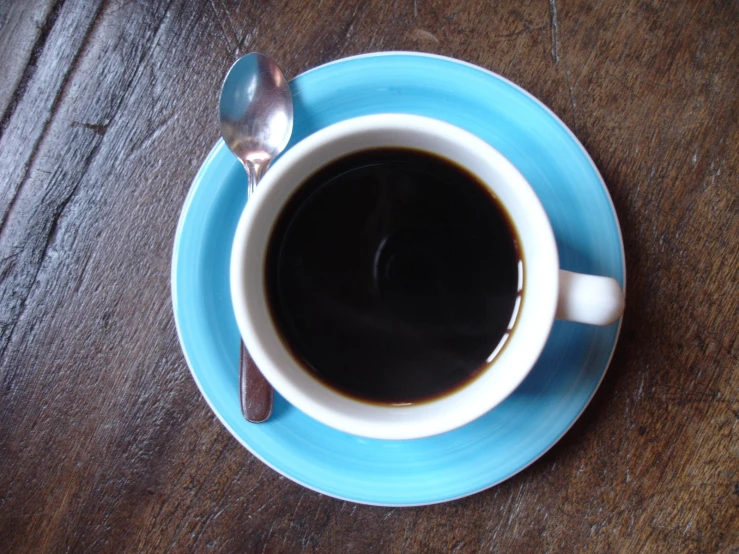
x=392 y=275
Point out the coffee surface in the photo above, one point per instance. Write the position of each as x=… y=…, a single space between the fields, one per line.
x=392 y=275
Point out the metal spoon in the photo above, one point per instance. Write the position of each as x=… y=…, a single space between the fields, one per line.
x=256 y=115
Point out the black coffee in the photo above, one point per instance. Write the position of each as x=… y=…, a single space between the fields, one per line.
x=392 y=275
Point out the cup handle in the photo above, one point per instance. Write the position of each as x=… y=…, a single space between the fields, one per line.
x=589 y=298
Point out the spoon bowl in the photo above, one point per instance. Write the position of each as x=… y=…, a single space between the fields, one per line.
x=256 y=113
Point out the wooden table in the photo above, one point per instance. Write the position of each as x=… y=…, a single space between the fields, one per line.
x=108 y=109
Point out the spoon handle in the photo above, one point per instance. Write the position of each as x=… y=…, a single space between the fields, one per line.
x=255 y=391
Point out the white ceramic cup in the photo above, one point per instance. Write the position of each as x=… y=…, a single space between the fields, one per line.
x=549 y=292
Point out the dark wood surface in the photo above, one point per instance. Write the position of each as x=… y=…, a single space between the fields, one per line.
x=107 y=110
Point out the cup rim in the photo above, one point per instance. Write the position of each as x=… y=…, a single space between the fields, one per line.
x=306 y=392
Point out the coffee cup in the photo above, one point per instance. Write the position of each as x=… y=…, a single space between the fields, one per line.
x=542 y=291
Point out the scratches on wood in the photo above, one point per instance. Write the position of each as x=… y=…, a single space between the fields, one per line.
x=37 y=108
x=554 y=26
x=239 y=38
x=29 y=273
x=30 y=65
x=99 y=128
x=234 y=41
x=557 y=51
x=141 y=146
x=525 y=31
x=423 y=36
x=573 y=102
x=44 y=93
x=229 y=41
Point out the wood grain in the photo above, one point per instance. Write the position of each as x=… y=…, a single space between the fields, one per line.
x=108 y=108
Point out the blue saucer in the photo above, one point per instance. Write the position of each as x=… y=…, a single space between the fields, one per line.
x=499 y=444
